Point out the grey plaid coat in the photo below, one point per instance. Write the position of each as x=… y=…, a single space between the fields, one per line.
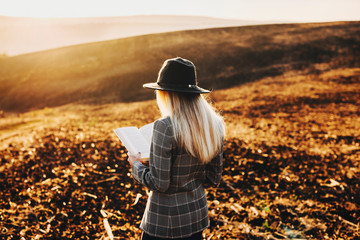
x=177 y=205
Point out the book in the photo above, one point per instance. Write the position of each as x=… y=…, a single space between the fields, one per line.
x=136 y=140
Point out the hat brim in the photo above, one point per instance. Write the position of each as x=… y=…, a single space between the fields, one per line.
x=193 y=89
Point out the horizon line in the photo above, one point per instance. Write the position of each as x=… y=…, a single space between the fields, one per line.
x=182 y=15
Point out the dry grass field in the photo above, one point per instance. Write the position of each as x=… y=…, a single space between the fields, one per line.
x=291 y=156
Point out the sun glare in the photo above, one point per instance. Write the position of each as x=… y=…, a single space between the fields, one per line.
x=90 y=8
x=63 y=9
x=295 y=10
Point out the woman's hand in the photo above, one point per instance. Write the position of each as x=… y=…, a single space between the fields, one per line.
x=133 y=158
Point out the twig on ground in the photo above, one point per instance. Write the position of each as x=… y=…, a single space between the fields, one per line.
x=90 y=195
x=356 y=226
x=138 y=196
x=108 y=179
x=108 y=229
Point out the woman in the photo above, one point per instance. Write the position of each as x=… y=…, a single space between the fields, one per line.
x=186 y=152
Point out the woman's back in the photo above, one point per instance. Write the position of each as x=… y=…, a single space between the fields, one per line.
x=187 y=172
x=197 y=127
x=185 y=153
x=177 y=205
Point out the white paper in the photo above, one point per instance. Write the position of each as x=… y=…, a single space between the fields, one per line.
x=136 y=140
x=147 y=131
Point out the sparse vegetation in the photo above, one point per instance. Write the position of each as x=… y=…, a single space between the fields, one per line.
x=291 y=165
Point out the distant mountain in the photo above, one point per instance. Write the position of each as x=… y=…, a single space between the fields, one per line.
x=114 y=71
x=25 y=35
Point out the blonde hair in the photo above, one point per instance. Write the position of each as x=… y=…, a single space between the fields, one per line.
x=197 y=127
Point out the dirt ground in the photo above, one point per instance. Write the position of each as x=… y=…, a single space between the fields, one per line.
x=291 y=165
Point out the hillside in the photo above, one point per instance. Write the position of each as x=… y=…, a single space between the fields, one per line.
x=113 y=71
x=19 y=35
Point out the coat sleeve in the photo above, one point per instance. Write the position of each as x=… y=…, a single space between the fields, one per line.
x=157 y=176
x=214 y=169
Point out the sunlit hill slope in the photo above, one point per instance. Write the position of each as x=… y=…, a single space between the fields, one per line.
x=20 y=35
x=113 y=71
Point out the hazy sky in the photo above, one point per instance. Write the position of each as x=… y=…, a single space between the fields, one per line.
x=284 y=10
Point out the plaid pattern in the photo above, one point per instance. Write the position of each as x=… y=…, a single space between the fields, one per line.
x=177 y=205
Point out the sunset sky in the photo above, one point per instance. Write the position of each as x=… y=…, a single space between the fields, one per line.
x=283 y=10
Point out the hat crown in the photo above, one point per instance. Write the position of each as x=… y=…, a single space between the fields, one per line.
x=177 y=75
x=177 y=72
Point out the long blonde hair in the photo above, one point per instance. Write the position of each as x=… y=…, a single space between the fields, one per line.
x=197 y=127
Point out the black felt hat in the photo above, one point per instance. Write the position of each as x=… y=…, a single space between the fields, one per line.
x=177 y=75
